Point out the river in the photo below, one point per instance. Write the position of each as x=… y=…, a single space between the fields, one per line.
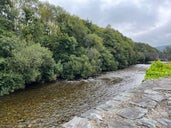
x=49 y=105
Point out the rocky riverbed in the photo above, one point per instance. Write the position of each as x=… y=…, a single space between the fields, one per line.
x=146 y=106
x=50 y=105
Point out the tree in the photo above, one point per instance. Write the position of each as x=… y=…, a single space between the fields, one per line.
x=167 y=53
x=9 y=82
x=146 y=52
x=77 y=67
x=167 y=50
x=34 y=62
x=7 y=15
x=40 y=42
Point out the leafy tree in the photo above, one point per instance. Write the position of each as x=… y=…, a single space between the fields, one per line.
x=94 y=59
x=9 y=42
x=40 y=42
x=73 y=26
x=77 y=67
x=9 y=82
x=146 y=53
x=7 y=15
x=167 y=53
x=33 y=62
x=167 y=50
x=61 y=45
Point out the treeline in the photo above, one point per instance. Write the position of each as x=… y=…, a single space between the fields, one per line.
x=147 y=53
x=40 y=42
x=166 y=56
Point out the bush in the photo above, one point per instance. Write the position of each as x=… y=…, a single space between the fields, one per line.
x=10 y=82
x=158 y=70
x=77 y=67
x=34 y=62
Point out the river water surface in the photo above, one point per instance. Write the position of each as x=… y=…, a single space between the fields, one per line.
x=52 y=104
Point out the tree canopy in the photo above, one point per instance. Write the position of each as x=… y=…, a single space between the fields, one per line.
x=40 y=42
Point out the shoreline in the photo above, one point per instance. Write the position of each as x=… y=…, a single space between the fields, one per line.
x=148 y=105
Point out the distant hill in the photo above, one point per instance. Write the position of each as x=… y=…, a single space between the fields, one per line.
x=161 y=48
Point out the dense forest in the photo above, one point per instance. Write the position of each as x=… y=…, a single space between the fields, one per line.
x=40 y=42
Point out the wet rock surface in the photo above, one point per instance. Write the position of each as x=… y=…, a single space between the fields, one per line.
x=145 y=106
x=149 y=123
x=132 y=113
x=121 y=124
x=145 y=103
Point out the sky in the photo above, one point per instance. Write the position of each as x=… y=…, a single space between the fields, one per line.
x=147 y=21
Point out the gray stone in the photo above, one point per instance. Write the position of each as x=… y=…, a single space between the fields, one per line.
x=155 y=97
x=165 y=87
x=132 y=113
x=109 y=105
x=168 y=95
x=92 y=115
x=169 y=103
x=145 y=103
x=123 y=96
x=150 y=91
x=163 y=114
x=164 y=121
x=121 y=124
x=169 y=113
x=149 y=123
x=78 y=122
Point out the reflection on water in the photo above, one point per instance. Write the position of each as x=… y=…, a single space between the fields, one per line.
x=52 y=104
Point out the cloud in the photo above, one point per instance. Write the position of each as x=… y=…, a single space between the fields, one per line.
x=142 y=20
x=158 y=36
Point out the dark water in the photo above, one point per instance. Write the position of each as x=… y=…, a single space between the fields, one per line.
x=52 y=104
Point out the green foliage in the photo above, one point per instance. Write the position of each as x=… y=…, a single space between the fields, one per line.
x=77 y=67
x=23 y=63
x=167 y=50
x=10 y=82
x=157 y=70
x=7 y=15
x=146 y=53
x=7 y=44
x=34 y=63
x=40 y=42
x=2 y=64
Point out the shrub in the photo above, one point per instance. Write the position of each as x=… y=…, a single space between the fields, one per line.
x=10 y=82
x=158 y=70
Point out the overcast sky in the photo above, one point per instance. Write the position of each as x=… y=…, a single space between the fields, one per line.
x=146 y=21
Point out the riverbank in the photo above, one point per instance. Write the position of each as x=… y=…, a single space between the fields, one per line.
x=146 y=106
x=51 y=105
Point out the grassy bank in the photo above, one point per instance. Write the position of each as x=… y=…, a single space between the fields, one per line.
x=158 y=70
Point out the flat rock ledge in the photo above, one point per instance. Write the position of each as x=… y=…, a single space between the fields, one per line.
x=145 y=106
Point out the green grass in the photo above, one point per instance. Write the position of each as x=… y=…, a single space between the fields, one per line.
x=158 y=70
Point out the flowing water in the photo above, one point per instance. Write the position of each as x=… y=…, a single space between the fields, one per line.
x=49 y=105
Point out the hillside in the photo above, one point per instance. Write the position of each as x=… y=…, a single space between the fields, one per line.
x=161 y=48
x=40 y=42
